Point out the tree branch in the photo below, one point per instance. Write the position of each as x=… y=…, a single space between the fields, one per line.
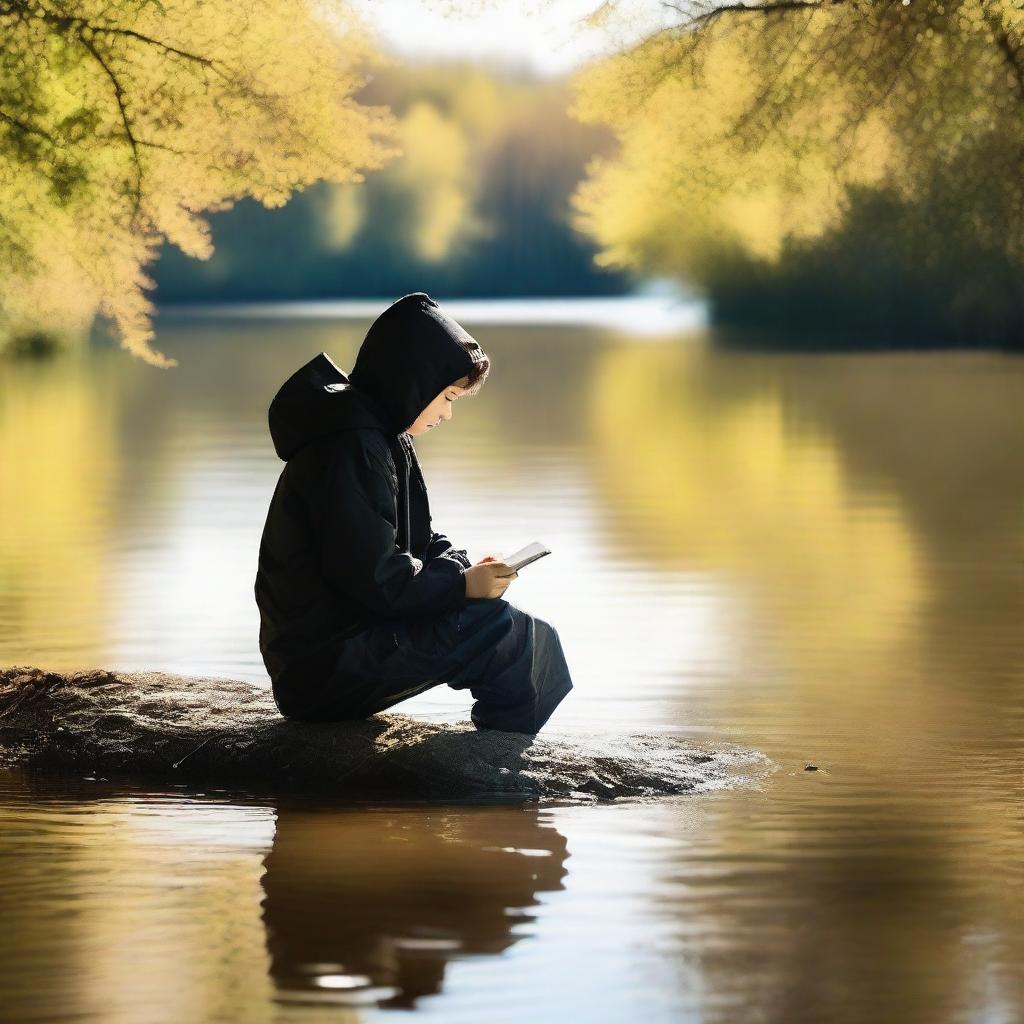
x=703 y=19
x=119 y=96
x=852 y=125
x=148 y=143
x=77 y=25
x=25 y=127
x=744 y=119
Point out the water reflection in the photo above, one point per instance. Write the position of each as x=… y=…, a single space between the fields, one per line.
x=119 y=907
x=731 y=480
x=822 y=557
x=372 y=905
x=842 y=900
x=60 y=464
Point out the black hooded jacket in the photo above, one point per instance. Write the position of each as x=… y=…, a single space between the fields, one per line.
x=348 y=538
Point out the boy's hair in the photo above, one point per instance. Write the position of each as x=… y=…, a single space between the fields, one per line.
x=480 y=369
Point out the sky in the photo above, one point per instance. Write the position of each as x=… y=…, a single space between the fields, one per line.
x=544 y=35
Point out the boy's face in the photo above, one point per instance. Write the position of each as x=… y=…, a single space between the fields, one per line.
x=439 y=409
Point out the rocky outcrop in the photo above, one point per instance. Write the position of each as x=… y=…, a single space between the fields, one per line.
x=221 y=732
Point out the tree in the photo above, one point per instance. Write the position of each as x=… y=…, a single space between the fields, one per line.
x=744 y=125
x=122 y=122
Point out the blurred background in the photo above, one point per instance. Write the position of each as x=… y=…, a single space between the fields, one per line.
x=751 y=285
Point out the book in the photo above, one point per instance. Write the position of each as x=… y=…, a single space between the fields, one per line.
x=524 y=556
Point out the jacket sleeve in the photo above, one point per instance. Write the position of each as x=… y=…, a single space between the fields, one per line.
x=360 y=555
x=441 y=545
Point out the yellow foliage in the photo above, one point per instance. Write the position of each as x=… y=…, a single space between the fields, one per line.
x=122 y=124
x=436 y=171
x=743 y=127
x=342 y=213
x=479 y=105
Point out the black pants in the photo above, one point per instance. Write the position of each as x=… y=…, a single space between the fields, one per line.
x=511 y=662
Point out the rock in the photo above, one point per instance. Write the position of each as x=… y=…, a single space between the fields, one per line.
x=221 y=732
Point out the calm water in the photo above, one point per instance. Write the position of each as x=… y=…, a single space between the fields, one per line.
x=819 y=557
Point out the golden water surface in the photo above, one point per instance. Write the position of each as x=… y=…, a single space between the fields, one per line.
x=820 y=557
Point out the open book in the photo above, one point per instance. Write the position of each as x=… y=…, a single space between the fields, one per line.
x=524 y=556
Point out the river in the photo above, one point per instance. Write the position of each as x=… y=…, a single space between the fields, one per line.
x=820 y=557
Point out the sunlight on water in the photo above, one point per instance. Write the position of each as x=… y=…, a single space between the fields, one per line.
x=819 y=557
x=665 y=310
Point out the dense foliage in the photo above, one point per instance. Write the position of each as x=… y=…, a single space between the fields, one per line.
x=122 y=122
x=749 y=132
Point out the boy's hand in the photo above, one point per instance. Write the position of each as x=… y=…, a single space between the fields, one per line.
x=496 y=558
x=489 y=577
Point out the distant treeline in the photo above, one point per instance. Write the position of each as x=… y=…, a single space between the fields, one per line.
x=892 y=274
x=476 y=205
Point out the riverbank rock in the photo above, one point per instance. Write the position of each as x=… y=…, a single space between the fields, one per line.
x=226 y=733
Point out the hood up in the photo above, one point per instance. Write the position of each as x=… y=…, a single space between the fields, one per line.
x=316 y=400
x=410 y=354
